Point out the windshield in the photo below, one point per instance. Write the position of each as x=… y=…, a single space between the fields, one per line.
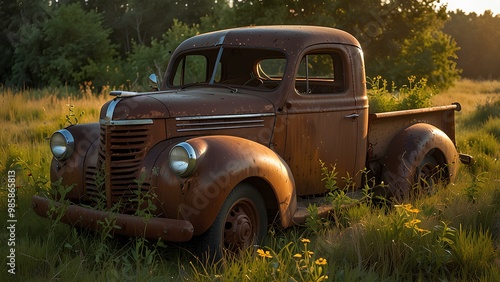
x=238 y=67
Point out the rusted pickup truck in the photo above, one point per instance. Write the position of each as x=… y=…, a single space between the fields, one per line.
x=230 y=140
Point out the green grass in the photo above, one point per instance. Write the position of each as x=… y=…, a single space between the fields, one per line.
x=453 y=234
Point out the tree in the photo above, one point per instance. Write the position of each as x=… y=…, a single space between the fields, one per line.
x=390 y=32
x=144 y=60
x=19 y=22
x=478 y=37
x=68 y=48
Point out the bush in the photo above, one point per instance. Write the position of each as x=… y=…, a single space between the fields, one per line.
x=414 y=95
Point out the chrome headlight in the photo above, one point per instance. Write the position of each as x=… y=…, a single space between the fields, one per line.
x=62 y=144
x=182 y=159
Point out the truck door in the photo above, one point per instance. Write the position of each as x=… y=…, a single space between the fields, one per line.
x=322 y=120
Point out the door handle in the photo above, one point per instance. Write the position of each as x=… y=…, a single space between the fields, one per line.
x=352 y=116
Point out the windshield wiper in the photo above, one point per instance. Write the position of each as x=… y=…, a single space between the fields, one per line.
x=233 y=90
x=193 y=84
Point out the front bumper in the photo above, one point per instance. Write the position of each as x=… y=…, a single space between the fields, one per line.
x=173 y=230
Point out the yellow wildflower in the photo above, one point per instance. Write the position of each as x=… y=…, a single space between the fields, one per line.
x=321 y=261
x=297 y=256
x=264 y=254
x=412 y=223
x=409 y=208
x=305 y=240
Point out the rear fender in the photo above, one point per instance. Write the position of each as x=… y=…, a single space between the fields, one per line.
x=407 y=150
x=222 y=163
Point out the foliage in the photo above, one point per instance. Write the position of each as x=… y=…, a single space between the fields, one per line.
x=414 y=95
x=145 y=60
x=471 y=31
x=58 y=53
x=114 y=43
x=400 y=38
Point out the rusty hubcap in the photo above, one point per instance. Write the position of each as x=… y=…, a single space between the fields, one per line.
x=240 y=226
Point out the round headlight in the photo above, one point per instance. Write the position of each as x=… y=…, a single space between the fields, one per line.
x=182 y=159
x=62 y=144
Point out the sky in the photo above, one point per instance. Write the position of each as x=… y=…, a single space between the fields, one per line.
x=477 y=6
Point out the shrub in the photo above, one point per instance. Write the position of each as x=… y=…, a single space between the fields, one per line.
x=414 y=95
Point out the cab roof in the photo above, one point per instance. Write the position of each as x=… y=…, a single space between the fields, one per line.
x=281 y=37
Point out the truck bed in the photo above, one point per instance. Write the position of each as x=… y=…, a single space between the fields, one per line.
x=382 y=127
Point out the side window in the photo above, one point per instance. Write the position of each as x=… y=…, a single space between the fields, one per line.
x=191 y=69
x=320 y=73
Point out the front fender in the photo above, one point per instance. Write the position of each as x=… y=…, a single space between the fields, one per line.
x=223 y=162
x=71 y=171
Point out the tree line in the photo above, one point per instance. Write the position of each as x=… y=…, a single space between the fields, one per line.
x=119 y=42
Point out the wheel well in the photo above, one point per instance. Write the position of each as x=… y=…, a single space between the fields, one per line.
x=268 y=195
x=442 y=162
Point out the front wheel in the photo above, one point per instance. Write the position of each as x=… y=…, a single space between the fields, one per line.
x=241 y=223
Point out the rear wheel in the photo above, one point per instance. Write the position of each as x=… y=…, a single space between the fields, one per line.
x=427 y=174
x=241 y=223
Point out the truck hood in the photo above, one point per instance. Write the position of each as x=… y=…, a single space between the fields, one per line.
x=183 y=103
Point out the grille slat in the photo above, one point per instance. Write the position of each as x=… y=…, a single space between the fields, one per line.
x=122 y=148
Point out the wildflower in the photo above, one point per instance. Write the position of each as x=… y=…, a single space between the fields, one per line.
x=309 y=254
x=323 y=278
x=264 y=254
x=297 y=256
x=321 y=261
x=408 y=208
x=422 y=230
x=412 y=223
x=412 y=210
x=305 y=240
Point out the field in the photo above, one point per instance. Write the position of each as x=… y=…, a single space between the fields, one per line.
x=453 y=234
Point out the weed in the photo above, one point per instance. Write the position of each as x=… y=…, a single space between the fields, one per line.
x=71 y=117
x=474 y=252
x=383 y=98
x=143 y=200
x=472 y=190
x=314 y=223
x=329 y=177
x=307 y=268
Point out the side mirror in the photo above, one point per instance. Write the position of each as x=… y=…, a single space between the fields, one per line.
x=153 y=79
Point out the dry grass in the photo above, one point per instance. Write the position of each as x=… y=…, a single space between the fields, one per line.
x=469 y=94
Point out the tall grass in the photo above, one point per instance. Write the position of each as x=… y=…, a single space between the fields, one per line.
x=453 y=234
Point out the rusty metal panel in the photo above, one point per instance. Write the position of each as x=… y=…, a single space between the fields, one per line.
x=70 y=171
x=223 y=162
x=383 y=127
x=153 y=228
x=284 y=37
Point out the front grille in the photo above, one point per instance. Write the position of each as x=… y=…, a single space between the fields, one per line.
x=121 y=154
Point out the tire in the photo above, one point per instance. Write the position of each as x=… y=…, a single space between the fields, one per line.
x=427 y=174
x=241 y=223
